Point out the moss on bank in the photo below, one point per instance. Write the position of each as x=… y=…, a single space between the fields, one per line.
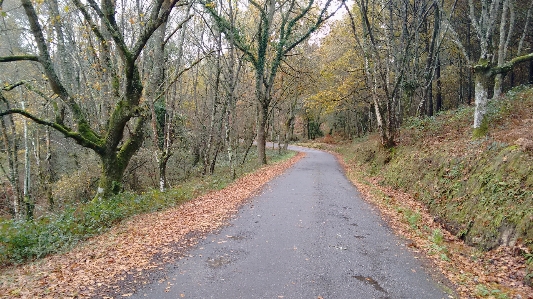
x=479 y=187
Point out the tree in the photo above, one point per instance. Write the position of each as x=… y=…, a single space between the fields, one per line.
x=338 y=88
x=279 y=28
x=390 y=43
x=123 y=132
x=484 y=16
x=10 y=146
x=161 y=102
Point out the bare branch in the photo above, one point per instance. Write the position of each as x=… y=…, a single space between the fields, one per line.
x=19 y=58
x=508 y=66
x=79 y=138
x=10 y=87
x=109 y=21
x=457 y=41
x=525 y=28
x=89 y=20
x=46 y=61
x=158 y=17
x=233 y=34
x=180 y=73
x=180 y=25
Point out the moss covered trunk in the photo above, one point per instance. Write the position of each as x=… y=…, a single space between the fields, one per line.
x=110 y=182
x=261 y=134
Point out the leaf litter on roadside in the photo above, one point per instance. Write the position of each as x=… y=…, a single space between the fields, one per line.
x=129 y=250
x=474 y=274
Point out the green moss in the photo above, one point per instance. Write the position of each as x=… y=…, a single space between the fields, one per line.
x=482 y=130
x=86 y=132
x=478 y=192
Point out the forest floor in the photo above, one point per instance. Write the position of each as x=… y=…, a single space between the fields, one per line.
x=109 y=265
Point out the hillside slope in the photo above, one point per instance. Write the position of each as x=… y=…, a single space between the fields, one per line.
x=480 y=189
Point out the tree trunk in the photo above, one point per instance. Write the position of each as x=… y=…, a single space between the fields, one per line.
x=379 y=119
x=162 y=165
x=530 y=75
x=461 y=83
x=214 y=109
x=438 y=102
x=28 y=199
x=481 y=91
x=214 y=160
x=261 y=134
x=484 y=73
x=110 y=182
x=469 y=54
x=503 y=45
x=429 y=111
x=114 y=163
x=229 y=144
x=48 y=172
x=248 y=147
x=10 y=144
x=287 y=129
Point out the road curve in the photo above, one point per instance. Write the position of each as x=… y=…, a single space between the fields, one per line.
x=307 y=235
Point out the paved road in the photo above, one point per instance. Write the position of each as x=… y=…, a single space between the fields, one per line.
x=307 y=235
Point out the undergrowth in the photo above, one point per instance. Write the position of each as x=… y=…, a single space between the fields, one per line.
x=22 y=240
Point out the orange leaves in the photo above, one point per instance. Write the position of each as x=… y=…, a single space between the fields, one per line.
x=144 y=243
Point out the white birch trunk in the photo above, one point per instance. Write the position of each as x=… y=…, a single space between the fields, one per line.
x=481 y=99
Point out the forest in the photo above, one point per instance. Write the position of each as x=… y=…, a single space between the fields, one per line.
x=98 y=98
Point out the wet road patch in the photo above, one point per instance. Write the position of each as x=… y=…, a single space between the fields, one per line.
x=370 y=281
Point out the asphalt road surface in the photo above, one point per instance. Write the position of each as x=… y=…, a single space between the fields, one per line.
x=307 y=235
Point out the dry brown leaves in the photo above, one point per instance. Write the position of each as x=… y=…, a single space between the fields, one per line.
x=472 y=272
x=145 y=242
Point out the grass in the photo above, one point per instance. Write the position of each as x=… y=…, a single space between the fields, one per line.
x=21 y=240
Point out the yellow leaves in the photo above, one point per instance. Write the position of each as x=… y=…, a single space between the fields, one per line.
x=210 y=5
x=327 y=100
x=133 y=21
x=97 y=86
x=190 y=105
